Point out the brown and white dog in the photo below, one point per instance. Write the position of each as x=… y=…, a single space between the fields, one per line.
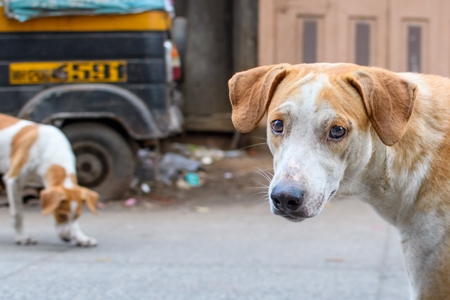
x=369 y=132
x=29 y=150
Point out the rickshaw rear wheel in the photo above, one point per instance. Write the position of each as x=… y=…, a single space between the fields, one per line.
x=105 y=160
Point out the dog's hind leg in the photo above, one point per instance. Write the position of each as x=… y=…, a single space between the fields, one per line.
x=14 y=192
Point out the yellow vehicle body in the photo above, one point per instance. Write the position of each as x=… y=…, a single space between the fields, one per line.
x=146 y=21
x=106 y=80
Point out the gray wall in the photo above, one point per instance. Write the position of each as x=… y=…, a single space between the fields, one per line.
x=221 y=39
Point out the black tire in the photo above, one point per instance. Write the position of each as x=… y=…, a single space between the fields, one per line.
x=105 y=161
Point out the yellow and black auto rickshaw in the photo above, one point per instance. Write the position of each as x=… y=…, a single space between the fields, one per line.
x=106 y=77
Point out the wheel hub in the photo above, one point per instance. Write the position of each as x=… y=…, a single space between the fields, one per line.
x=92 y=167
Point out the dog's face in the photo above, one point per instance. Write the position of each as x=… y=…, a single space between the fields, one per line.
x=313 y=138
x=319 y=125
x=66 y=205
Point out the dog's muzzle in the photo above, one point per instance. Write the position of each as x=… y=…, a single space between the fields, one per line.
x=287 y=197
x=287 y=200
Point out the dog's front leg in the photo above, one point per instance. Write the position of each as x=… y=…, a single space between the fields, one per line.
x=80 y=238
x=14 y=192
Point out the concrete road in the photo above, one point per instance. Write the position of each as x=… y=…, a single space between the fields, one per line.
x=212 y=248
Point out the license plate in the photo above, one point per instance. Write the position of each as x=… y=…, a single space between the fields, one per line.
x=67 y=72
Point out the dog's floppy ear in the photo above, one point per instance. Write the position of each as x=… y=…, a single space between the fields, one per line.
x=251 y=92
x=90 y=197
x=388 y=100
x=50 y=199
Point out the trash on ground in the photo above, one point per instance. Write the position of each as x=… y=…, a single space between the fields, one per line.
x=227 y=175
x=172 y=164
x=145 y=188
x=205 y=154
x=182 y=184
x=146 y=164
x=192 y=179
x=335 y=259
x=101 y=205
x=130 y=202
x=233 y=153
x=181 y=166
x=202 y=209
x=207 y=160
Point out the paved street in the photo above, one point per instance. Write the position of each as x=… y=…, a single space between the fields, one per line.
x=211 y=248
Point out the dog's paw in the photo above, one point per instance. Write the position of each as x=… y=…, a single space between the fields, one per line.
x=25 y=241
x=65 y=238
x=87 y=242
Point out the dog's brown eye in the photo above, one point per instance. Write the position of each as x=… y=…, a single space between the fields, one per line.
x=277 y=126
x=337 y=132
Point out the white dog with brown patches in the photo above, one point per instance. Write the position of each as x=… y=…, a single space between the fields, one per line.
x=369 y=132
x=30 y=150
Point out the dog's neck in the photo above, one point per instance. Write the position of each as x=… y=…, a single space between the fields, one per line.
x=392 y=180
x=396 y=175
x=407 y=185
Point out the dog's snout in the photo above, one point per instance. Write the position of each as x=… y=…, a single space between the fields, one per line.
x=287 y=197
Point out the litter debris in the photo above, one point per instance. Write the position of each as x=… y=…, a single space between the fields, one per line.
x=228 y=175
x=181 y=166
x=134 y=183
x=172 y=163
x=192 y=179
x=130 y=202
x=202 y=209
x=146 y=164
x=101 y=205
x=207 y=160
x=145 y=188
x=233 y=153
x=204 y=154
x=182 y=184
x=335 y=259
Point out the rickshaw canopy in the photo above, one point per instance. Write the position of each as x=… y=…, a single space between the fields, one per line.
x=24 y=10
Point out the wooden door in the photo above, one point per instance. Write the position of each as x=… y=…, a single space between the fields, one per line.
x=401 y=35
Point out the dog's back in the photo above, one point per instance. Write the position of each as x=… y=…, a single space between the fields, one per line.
x=29 y=147
x=9 y=128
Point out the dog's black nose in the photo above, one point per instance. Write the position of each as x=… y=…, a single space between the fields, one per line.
x=287 y=197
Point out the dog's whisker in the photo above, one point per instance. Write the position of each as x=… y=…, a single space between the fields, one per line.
x=261 y=195
x=258 y=193
x=254 y=145
x=260 y=189
x=268 y=176
x=259 y=138
x=265 y=173
x=263 y=199
x=266 y=183
x=262 y=202
x=261 y=184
